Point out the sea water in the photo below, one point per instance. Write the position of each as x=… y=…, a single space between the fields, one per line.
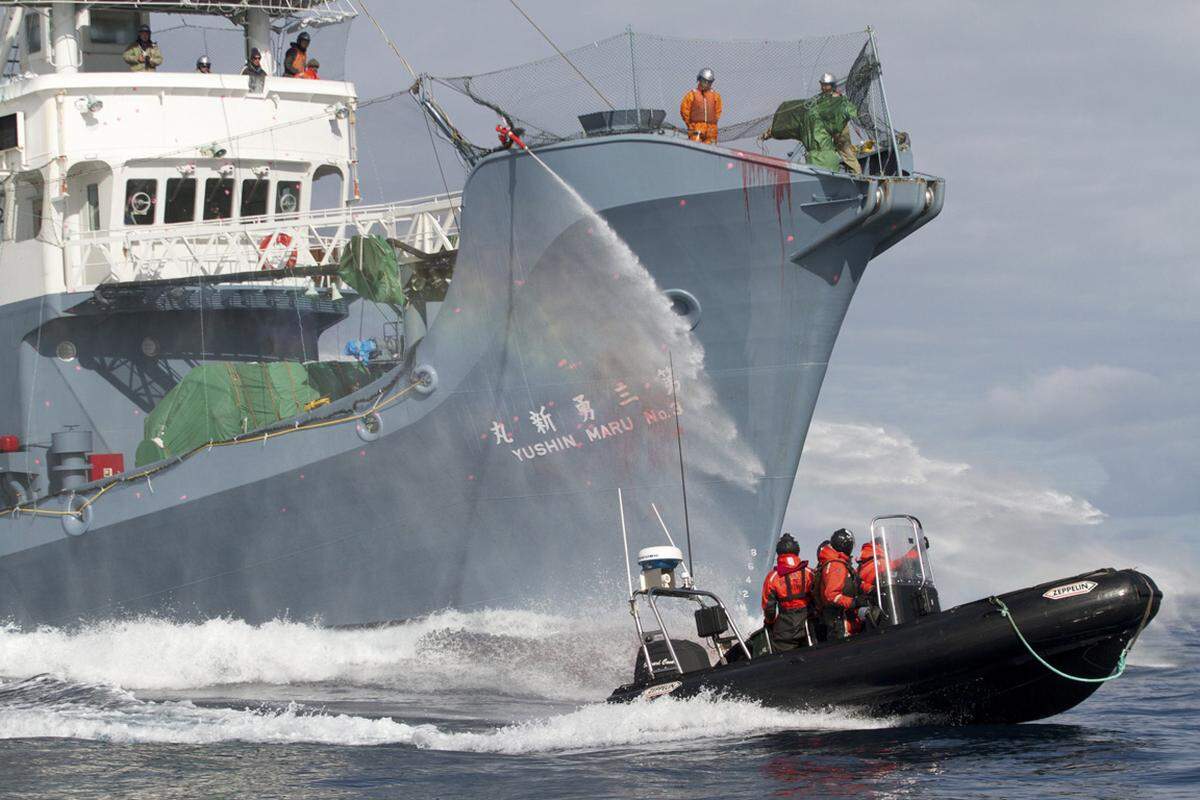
x=510 y=703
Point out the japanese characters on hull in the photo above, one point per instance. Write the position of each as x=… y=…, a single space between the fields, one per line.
x=550 y=429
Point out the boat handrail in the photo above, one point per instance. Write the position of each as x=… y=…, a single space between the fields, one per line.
x=310 y=238
x=687 y=594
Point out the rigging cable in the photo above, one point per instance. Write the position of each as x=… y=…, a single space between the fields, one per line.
x=687 y=526
x=362 y=4
x=429 y=129
x=563 y=55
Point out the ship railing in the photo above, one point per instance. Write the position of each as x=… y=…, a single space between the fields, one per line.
x=307 y=239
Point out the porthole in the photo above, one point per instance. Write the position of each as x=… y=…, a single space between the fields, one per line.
x=65 y=350
x=149 y=347
x=685 y=305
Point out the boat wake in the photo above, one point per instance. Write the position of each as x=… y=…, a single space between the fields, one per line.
x=503 y=652
x=84 y=684
x=45 y=706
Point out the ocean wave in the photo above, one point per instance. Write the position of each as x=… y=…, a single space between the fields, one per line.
x=522 y=653
x=45 y=706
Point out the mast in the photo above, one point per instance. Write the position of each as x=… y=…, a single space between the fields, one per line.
x=258 y=34
x=64 y=38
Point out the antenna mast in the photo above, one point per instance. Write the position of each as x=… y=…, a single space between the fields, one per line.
x=687 y=526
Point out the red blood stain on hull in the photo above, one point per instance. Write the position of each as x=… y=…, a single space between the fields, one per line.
x=759 y=170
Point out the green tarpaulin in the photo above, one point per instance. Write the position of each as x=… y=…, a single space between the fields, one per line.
x=215 y=402
x=814 y=123
x=368 y=265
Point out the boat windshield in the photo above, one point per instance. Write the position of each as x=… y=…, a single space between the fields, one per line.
x=902 y=567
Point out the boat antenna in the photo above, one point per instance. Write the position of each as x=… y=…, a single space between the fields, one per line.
x=362 y=4
x=625 y=541
x=687 y=576
x=687 y=525
x=550 y=42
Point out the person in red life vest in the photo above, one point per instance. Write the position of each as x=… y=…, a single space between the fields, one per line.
x=787 y=597
x=701 y=108
x=868 y=560
x=837 y=594
x=295 y=60
x=310 y=71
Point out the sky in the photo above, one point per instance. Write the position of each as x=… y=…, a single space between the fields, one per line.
x=1022 y=373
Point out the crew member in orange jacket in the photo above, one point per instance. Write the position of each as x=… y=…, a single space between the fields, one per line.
x=787 y=597
x=295 y=60
x=838 y=594
x=701 y=108
x=867 y=566
x=311 y=70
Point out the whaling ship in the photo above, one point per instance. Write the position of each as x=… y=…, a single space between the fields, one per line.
x=224 y=399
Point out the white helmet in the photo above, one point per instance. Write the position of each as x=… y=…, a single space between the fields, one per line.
x=828 y=79
x=203 y=61
x=706 y=75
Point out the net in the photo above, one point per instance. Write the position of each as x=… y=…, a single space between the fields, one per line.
x=185 y=37
x=648 y=71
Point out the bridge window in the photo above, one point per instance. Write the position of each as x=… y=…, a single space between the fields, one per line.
x=33 y=31
x=287 y=197
x=254 y=197
x=218 y=198
x=181 y=200
x=327 y=188
x=112 y=27
x=141 y=198
x=92 y=206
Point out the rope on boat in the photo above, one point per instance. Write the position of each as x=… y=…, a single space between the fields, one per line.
x=1117 y=672
x=380 y=403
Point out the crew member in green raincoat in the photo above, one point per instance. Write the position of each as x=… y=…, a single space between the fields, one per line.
x=143 y=55
x=822 y=125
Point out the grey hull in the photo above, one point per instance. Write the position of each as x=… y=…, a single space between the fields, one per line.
x=441 y=510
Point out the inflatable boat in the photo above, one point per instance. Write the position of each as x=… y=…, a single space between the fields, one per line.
x=1015 y=657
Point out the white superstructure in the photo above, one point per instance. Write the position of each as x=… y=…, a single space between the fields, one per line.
x=110 y=175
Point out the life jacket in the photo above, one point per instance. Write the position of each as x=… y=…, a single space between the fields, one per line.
x=866 y=567
x=704 y=107
x=835 y=576
x=789 y=583
x=297 y=60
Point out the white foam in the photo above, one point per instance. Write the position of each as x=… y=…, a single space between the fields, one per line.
x=594 y=726
x=505 y=652
x=666 y=719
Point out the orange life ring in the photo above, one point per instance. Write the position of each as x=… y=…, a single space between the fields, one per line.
x=284 y=241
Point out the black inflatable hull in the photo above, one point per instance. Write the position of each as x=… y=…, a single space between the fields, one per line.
x=961 y=666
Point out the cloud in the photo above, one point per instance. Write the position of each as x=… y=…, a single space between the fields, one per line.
x=1068 y=400
x=990 y=531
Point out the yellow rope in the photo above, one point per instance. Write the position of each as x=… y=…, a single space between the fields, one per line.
x=377 y=406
